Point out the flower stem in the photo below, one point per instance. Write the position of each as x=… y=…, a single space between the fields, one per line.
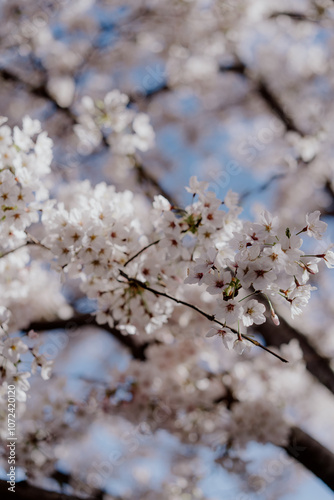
x=140 y=251
x=253 y=293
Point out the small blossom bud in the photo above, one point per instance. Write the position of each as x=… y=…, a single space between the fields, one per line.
x=274 y=318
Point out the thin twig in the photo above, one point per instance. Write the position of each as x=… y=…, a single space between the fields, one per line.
x=33 y=241
x=16 y=248
x=210 y=317
x=140 y=251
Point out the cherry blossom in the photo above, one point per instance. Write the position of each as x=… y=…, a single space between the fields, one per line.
x=253 y=313
x=227 y=336
x=329 y=259
x=229 y=311
x=12 y=349
x=112 y=275
x=314 y=226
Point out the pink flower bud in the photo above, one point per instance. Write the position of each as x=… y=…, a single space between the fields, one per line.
x=32 y=334
x=275 y=318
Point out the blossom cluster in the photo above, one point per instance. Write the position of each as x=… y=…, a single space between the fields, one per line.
x=94 y=235
x=207 y=222
x=208 y=72
x=175 y=389
x=25 y=158
x=135 y=262
x=267 y=259
x=11 y=351
x=24 y=161
x=92 y=239
x=113 y=121
x=28 y=292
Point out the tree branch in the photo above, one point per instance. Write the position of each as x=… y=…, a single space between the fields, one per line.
x=296 y=16
x=144 y=176
x=210 y=317
x=84 y=320
x=273 y=103
x=42 y=91
x=301 y=446
x=305 y=449
x=312 y=455
x=316 y=364
x=38 y=91
x=263 y=89
x=26 y=491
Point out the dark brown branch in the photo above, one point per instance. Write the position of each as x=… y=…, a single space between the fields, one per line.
x=273 y=103
x=260 y=85
x=25 y=491
x=312 y=455
x=145 y=177
x=316 y=364
x=296 y=16
x=276 y=107
x=301 y=446
x=262 y=88
x=329 y=189
x=38 y=91
x=84 y=320
x=305 y=449
x=237 y=67
x=147 y=94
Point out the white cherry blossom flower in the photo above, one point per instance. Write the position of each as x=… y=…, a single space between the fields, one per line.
x=144 y=138
x=242 y=346
x=194 y=277
x=253 y=313
x=41 y=361
x=260 y=276
x=328 y=258
x=229 y=311
x=7 y=368
x=275 y=256
x=13 y=348
x=171 y=242
x=196 y=187
x=5 y=315
x=21 y=385
x=217 y=281
x=231 y=199
x=225 y=333
x=299 y=298
x=315 y=227
x=204 y=264
x=46 y=369
x=269 y=222
x=160 y=203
